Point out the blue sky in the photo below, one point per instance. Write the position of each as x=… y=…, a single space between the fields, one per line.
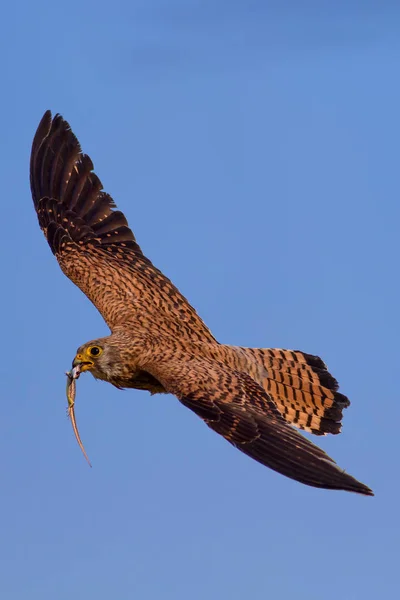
x=254 y=148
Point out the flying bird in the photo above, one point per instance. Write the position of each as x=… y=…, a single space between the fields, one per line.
x=253 y=397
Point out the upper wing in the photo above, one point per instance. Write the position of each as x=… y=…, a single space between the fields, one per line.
x=235 y=406
x=93 y=243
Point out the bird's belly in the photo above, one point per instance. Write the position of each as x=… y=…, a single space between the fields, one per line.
x=143 y=381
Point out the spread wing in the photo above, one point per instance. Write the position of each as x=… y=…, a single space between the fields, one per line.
x=235 y=406
x=93 y=243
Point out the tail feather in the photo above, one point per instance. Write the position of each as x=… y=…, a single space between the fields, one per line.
x=303 y=390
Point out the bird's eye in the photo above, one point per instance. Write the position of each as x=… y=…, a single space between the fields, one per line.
x=94 y=351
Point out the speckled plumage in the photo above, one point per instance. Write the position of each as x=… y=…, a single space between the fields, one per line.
x=158 y=342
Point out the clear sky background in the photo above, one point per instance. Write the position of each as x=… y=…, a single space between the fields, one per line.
x=254 y=148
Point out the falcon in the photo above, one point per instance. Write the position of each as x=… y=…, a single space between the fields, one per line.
x=253 y=397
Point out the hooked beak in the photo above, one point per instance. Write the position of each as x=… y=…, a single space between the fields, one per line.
x=80 y=364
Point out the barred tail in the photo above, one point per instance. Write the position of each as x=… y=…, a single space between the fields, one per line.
x=304 y=392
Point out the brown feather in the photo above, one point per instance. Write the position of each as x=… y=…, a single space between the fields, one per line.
x=303 y=390
x=236 y=407
x=158 y=341
x=93 y=243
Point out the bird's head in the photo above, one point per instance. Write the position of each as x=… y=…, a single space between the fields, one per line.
x=99 y=357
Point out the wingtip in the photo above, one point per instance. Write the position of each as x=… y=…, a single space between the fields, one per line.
x=45 y=122
x=366 y=491
x=357 y=487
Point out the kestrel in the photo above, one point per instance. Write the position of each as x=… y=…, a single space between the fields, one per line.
x=253 y=397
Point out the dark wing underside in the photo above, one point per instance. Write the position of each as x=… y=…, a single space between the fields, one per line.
x=93 y=243
x=236 y=407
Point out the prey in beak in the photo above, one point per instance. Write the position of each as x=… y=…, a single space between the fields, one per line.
x=77 y=368
x=80 y=364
